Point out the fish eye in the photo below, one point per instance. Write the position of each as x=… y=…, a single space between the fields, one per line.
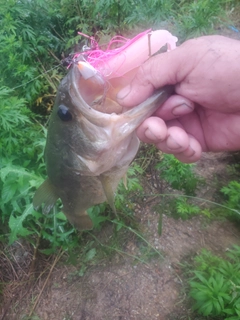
x=64 y=113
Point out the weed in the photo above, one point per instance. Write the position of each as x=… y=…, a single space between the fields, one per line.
x=88 y=257
x=151 y=10
x=143 y=252
x=179 y=175
x=234 y=253
x=230 y=207
x=234 y=169
x=200 y=16
x=179 y=207
x=184 y=209
x=232 y=193
x=215 y=285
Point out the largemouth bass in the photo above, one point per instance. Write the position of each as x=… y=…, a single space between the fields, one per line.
x=90 y=144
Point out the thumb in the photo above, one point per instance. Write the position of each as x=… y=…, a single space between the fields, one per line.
x=158 y=71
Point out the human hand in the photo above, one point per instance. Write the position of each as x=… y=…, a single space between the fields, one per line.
x=204 y=112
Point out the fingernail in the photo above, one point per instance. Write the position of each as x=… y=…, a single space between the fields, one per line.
x=124 y=92
x=181 y=109
x=172 y=144
x=190 y=152
x=150 y=135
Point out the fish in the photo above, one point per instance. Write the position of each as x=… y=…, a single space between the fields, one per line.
x=91 y=142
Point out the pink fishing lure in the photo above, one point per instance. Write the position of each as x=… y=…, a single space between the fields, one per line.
x=113 y=63
x=118 y=66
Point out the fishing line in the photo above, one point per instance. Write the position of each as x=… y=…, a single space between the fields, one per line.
x=21 y=85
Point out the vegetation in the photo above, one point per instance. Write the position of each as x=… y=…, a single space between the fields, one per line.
x=34 y=37
x=179 y=175
x=231 y=191
x=215 y=284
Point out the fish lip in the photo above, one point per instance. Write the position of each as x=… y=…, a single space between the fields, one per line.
x=75 y=93
x=94 y=116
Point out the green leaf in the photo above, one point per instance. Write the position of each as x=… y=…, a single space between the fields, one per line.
x=228 y=311
x=82 y=270
x=16 y=224
x=201 y=277
x=217 y=308
x=206 y=308
x=90 y=255
x=60 y=215
x=200 y=296
x=8 y=191
x=19 y=171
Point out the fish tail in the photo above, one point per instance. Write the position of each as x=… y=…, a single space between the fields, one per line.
x=80 y=221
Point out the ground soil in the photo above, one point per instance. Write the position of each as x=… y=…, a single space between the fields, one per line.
x=119 y=287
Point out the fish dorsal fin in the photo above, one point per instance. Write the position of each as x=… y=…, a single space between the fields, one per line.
x=108 y=190
x=46 y=194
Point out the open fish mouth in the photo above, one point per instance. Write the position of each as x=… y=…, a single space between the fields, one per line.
x=99 y=106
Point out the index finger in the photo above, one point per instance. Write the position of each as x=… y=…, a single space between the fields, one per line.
x=155 y=73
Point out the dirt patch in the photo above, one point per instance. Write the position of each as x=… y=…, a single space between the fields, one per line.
x=129 y=290
x=122 y=287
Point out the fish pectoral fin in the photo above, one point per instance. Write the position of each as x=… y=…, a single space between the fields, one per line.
x=46 y=194
x=80 y=221
x=108 y=190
